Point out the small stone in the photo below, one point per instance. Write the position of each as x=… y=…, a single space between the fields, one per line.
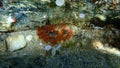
x=101 y=17
x=82 y=15
x=60 y=2
x=15 y=42
x=41 y=43
x=77 y=44
x=29 y=37
x=97 y=44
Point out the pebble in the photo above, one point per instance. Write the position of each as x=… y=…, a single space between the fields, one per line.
x=60 y=2
x=15 y=42
x=82 y=15
x=41 y=43
x=101 y=17
x=29 y=37
x=97 y=44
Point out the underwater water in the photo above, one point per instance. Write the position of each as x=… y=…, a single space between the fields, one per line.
x=59 y=33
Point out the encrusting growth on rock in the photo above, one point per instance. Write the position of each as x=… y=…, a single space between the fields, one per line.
x=54 y=33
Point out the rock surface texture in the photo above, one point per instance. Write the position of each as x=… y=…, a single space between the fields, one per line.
x=60 y=34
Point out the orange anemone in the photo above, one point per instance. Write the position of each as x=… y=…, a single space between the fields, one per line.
x=54 y=33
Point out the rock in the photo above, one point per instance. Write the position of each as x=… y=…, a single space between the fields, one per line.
x=41 y=43
x=82 y=15
x=101 y=17
x=15 y=42
x=60 y=2
x=6 y=22
x=29 y=37
x=97 y=44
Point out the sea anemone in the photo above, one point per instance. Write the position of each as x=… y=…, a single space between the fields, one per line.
x=54 y=33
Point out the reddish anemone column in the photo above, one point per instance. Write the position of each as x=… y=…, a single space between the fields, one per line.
x=54 y=33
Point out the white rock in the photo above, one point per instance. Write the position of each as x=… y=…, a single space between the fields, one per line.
x=60 y=2
x=29 y=37
x=15 y=42
x=82 y=15
x=41 y=43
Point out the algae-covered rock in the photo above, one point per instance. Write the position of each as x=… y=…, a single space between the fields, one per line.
x=94 y=43
x=6 y=22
